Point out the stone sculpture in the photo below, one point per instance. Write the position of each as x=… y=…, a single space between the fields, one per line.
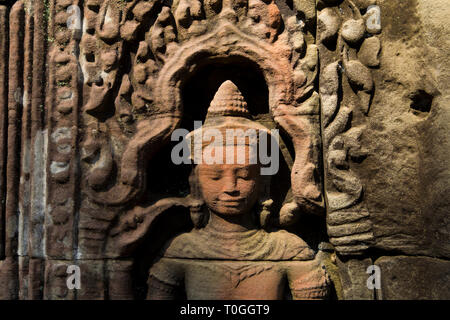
x=93 y=94
x=232 y=256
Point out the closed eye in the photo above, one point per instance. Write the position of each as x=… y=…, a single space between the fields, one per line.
x=243 y=174
x=216 y=175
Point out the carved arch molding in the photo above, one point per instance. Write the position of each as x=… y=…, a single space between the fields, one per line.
x=91 y=91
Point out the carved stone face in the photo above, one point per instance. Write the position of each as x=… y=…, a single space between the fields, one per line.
x=230 y=189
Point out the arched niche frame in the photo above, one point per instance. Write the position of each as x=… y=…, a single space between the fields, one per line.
x=227 y=42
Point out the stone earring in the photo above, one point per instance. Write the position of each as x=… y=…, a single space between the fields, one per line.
x=265 y=213
x=199 y=215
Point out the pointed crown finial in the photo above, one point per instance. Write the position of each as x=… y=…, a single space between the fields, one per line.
x=228 y=101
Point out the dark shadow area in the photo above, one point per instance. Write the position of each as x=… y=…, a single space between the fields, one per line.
x=421 y=101
x=200 y=88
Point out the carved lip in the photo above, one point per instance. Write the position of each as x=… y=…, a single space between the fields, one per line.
x=231 y=199
x=231 y=202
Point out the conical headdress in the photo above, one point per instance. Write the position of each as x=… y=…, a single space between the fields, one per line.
x=228 y=101
x=228 y=110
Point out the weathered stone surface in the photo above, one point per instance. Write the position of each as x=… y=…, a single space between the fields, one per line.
x=120 y=280
x=346 y=88
x=91 y=272
x=414 y=278
x=92 y=92
x=353 y=276
x=435 y=158
x=8 y=279
x=3 y=116
x=55 y=283
x=406 y=120
x=369 y=51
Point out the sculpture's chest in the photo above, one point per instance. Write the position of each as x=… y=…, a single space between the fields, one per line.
x=253 y=280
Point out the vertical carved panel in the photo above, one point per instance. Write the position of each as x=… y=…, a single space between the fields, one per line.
x=3 y=117
x=62 y=132
x=100 y=52
x=37 y=160
x=12 y=111
x=349 y=47
x=26 y=156
x=15 y=73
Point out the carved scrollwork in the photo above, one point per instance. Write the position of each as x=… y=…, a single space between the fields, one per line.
x=341 y=26
x=150 y=90
x=133 y=79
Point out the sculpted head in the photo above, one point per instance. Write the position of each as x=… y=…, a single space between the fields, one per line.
x=227 y=174
x=230 y=189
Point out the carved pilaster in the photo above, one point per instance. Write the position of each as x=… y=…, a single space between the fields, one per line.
x=61 y=220
x=25 y=289
x=348 y=48
x=3 y=118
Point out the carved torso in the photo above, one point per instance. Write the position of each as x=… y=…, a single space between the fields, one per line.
x=209 y=264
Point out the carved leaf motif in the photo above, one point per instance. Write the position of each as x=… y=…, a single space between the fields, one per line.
x=187 y=11
x=108 y=21
x=337 y=125
x=123 y=101
x=353 y=30
x=213 y=6
x=97 y=150
x=163 y=33
x=305 y=74
x=142 y=9
x=306 y=7
x=183 y=14
x=328 y=25
x=352 y=140
x=349 y=231
x=361 y=77
x=329 y=92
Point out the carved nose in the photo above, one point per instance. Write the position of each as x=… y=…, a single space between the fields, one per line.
x=229 y=185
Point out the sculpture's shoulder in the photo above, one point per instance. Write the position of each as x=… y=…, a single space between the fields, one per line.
x=251 y=245
x=291 y=245
x=184 y=245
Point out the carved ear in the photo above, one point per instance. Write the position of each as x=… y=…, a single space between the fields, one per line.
x=194 y=184
x=199 y=214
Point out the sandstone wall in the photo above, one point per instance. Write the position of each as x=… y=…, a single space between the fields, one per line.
x=71 y=166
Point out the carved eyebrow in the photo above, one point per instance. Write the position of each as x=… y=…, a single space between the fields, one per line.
x=212 y=170
x=245 y=170
x=245 y=166
x=217 y=171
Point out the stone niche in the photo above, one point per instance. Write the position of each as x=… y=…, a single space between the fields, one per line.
x=94 y=94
